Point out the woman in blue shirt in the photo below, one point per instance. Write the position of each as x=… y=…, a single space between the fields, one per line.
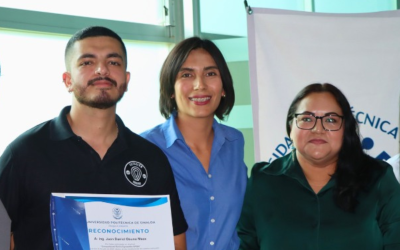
x=206 y=156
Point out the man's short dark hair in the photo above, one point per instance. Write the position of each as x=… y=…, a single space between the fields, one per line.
x=173 y=64
x=92 y=31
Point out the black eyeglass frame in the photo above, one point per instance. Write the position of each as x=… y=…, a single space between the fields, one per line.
x=316 y=119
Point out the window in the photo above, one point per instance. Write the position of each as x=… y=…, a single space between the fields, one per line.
x=149 y=11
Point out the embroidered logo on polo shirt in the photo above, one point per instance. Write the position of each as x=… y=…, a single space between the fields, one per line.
x=136 y=173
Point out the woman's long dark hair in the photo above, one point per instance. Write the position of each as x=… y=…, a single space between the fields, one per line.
x=354 y=167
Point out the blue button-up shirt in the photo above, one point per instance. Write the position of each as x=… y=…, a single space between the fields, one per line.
x=212 y=201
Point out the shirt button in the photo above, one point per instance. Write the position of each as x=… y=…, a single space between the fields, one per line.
x=209 y=176
x=212 y=220
x=212 y=243
x=212 y=198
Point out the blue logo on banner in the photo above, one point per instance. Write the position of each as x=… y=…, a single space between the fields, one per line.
x=368 y=143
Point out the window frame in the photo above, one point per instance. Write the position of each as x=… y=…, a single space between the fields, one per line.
x=68 y=24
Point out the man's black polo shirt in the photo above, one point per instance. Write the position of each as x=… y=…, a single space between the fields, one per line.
x=51 y=158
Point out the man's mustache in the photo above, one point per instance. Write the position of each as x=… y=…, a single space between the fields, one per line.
x=91 y=82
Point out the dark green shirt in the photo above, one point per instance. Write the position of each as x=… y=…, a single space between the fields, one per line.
x=281 y=211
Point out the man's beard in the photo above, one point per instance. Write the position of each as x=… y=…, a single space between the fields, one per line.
x=103 y=99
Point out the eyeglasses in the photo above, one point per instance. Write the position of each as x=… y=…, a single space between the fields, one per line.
x=308 y=121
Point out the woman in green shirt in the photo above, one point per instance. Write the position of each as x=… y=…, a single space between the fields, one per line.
x=327 y=194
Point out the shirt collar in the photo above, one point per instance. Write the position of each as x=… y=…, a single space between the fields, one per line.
x=61 y=130
x=294 y=169
x=172 y=132
x=289 y=166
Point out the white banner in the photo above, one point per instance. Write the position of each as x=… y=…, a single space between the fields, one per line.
x=358 y=53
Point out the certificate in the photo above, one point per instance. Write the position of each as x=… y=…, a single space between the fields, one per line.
x=111 y=222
